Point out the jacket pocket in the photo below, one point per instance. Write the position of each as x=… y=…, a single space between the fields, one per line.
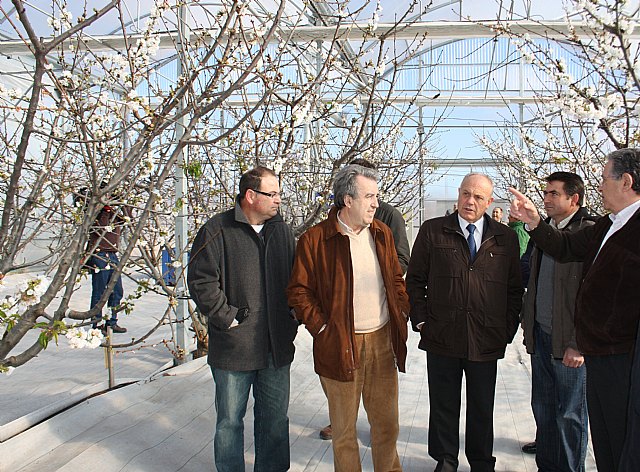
x=439 y=329
x=493 y=332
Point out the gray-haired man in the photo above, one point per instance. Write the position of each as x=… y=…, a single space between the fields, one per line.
x=347 y=288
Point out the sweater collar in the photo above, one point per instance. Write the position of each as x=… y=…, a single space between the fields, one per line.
x=333 y=227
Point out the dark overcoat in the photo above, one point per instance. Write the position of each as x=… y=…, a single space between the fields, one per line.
x=232 y=267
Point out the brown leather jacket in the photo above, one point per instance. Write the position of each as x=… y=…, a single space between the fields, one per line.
x=320 y=291
x=105 y=233
x=469 y=310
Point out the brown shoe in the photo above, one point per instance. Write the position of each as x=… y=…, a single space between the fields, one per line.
x=114 y=328
x=326 y=433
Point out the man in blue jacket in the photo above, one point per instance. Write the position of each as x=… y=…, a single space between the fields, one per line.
x=238 y=273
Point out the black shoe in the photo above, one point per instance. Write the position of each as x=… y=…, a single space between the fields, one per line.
x=529 y=448
x=114 y=328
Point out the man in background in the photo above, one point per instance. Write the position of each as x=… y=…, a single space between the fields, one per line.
x=104 y=242
x=497 y=214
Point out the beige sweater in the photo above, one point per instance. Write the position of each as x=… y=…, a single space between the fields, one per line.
x=369 y=296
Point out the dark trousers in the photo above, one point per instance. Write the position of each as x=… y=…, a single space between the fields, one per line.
x=607 y=400
x=445 y=386
x=630 y=461
x=559 y=403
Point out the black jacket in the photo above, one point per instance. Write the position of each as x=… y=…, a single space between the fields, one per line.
x=608 y=301
x=231 y=267
x=392 y=217
x=470 y=310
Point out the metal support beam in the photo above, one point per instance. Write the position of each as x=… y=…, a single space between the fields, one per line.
x=430 y=30
x=182 y=225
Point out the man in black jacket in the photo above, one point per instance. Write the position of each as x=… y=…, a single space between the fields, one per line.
x=240 y=265
x=465 y=291
x=558 y=387
x=607 y=307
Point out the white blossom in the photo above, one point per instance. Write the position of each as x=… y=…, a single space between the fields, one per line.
x=80 y=338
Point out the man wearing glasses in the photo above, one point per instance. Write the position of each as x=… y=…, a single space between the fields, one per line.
x=240 y=264
x=607 y=307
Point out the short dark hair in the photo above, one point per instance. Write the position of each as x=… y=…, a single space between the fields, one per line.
x=345 y=182
x=252 y=179
x=626 y=161
x=364 y=163
x=571 y=183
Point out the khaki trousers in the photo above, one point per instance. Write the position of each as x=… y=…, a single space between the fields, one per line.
x=376 y=381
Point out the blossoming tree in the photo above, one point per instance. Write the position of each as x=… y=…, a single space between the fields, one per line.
x=587 y=87
x=108 y=120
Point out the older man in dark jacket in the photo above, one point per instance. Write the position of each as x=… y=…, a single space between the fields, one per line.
x=465 y=290
x=239 y=269
x=607 y=307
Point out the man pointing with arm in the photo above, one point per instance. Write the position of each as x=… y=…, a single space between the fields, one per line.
x=607 y=305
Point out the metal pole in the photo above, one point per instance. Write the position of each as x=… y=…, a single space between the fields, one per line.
x=181 y=197
x=421 y=144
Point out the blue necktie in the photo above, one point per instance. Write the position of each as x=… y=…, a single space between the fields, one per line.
x=472 y=241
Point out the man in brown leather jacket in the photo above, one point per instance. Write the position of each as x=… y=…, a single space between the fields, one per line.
x=465 y=289
x=347 y=288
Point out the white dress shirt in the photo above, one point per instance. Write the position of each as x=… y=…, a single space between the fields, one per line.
x=477 y=234
x=619 y=220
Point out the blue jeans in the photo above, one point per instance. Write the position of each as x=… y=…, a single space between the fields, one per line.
x=271 y=423
x=559 y=402
x=100 y=279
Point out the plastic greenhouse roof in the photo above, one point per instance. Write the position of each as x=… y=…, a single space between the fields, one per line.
x=134 y=12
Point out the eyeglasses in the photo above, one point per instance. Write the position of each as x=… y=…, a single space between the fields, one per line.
x=270 y=194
